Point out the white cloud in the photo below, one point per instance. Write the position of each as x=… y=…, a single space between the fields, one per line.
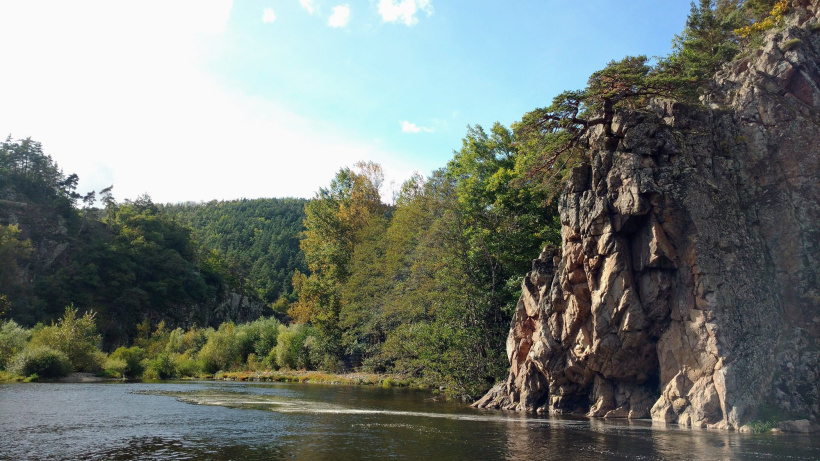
x=340 y=16
x=268 y=16
x=136 y=110
x=404 y=10
x=407 y=127
x=308 y=6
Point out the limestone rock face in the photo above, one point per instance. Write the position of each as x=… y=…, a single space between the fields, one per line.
x=687 y=285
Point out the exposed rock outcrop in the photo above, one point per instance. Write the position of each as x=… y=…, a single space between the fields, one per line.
x=687 y=286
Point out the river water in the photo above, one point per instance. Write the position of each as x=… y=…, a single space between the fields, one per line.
x=225 y=420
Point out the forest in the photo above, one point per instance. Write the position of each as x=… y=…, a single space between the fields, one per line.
x=422 y=287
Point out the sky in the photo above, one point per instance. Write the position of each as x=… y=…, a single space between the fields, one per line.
x=196 y=100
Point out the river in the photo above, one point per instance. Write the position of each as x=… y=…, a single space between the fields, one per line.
x=243 y=421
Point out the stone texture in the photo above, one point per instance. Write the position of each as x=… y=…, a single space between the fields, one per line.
x=687 y=285
x=800 y=426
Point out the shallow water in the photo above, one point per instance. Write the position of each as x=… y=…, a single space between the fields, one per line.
x=218 y=420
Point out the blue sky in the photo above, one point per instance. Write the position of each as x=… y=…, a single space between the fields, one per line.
x=214 y=99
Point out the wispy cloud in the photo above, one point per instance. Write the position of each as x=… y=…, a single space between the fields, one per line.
x=268 y=16
x=408 y=127
x=308 y=6
x=404 y=10
x=340 y=16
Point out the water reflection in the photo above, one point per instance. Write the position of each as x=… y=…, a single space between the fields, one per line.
x=158 y=448
x=279 y=421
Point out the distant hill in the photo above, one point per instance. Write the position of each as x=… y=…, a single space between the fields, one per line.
x=135 y=261
x=259 y=239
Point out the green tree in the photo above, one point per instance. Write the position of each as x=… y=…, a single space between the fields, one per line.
x=13 y=339
x=334 y=222
x=13 y=253
x=40 y=361
x=127 y=361
x=707 y=42
x=76 y=337
x=221 y=352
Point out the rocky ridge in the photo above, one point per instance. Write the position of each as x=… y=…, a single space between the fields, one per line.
x=687 y=285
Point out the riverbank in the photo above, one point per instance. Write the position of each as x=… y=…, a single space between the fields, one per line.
x=285 y=376
x=319 y=377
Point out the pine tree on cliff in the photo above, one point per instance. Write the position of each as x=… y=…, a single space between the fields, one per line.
x=552 y=139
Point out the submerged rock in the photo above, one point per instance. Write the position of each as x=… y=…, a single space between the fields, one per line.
x=687 y=285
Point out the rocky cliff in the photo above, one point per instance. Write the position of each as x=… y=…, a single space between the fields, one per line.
x=687 y=285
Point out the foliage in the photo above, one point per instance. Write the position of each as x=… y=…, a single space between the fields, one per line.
x=127 y=361
x=221 y=351
x=161 y=366
x=707 y=42
x=761 y=427
x=13 y=339
x=260 y=336
x=14 y=253
x=75 y=337
x=554 y=139
x=764 y=19
x=422 y=288
x=24 y=166
x=181 y=341
x=140 y=265
x=334 y=222
x=296 y=348
x=128 y=261
x=790 y=44
x=40 y=360
x=4 y=305
x=258 y=239
x=186 y=365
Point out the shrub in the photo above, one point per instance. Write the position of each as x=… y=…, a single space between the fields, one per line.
x=114 y=368
x=131 y=359
x=161 y=367
x=265 y=340
x=221 y=351
x=186 y=366
x=257 y=337
x=13 y=339
x=296 y=347
x=43 y=361
x=181 y=341
x=77 y=338
x=156 y=342
x=285 y=358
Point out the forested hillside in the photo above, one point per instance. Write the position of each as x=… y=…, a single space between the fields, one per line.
x=126 y=261
x=258 y=238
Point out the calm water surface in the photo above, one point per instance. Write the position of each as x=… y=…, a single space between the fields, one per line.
x=220 y=421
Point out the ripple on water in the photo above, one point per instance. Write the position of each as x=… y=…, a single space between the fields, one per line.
x=248 y=421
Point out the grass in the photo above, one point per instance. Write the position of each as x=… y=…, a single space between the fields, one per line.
x=761 y=426
x=282 y=376
x=789 y=44
x=768 y=417
x=6 y=377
